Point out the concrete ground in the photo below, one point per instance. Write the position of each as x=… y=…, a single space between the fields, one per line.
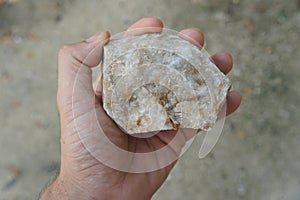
x=258 y=155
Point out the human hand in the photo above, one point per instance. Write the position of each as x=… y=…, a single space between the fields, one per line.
x=82 y=176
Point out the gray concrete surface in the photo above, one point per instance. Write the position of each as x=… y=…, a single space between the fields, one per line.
x=258 y=155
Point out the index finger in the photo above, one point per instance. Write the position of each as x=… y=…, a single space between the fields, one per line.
x=145 y=26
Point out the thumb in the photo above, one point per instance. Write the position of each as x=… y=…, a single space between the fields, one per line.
x=74 y=65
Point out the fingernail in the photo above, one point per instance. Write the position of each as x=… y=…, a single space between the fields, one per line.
x=95 y=37
x=102 y=38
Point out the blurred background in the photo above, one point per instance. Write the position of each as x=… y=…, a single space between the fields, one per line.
x=258 y=154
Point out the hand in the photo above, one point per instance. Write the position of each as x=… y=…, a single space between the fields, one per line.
x=81 y=175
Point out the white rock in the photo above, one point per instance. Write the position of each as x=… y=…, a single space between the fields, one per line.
x=161 y=82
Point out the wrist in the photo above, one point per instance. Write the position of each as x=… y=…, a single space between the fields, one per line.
x=63 y=188
x=56 y=190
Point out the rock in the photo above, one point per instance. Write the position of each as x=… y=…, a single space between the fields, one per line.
x=159 y=82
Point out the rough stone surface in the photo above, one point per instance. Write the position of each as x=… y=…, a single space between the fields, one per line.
x=161 y=82
x=258 y=154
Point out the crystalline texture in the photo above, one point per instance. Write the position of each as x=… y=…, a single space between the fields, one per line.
x=161 y=82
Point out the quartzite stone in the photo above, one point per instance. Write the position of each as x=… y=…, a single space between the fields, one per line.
x=161 y=82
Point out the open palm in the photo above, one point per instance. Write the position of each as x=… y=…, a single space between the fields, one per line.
x=82 y=174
